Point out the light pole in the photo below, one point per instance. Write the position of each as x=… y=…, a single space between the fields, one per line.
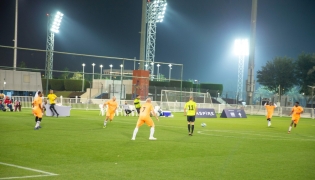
x=93 y=72
x=110 y=72
x=121 y=81
x=169 y=74
x=197 y=83
x=312 y=94
x=158 y=72
x=101 y=66
x=241 y=50
x=152 y=70
x=4 y=83
x=52 y=28
x=83 y=65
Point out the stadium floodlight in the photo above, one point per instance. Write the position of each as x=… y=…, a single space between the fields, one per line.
x=110 y=73
x=56 y=23
x=169 y=74
x=158 y=72
x=155 y=14
x=101 y=66
x=83 y=65
x=241 y=49
x=53 y=24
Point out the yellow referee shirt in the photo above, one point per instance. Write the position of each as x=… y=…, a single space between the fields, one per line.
x=51 y=98
x=191 y=107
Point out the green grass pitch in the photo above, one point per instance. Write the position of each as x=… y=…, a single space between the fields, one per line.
x=78 y=147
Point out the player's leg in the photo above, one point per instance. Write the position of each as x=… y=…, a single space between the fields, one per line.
x=135 y=131
x=150 y=123
x=106 y=119
x=290 y=127
x=51 y=109
x=296 y=121
x=36 y=119
x=188 y=121
x=192 y=122
x=111 y=117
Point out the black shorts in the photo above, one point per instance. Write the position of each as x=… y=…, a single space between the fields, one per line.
x=138 y=110
x=191 y=118
x=128 y=111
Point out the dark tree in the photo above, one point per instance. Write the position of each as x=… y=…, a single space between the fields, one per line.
x=305 y=66
x=280 y=71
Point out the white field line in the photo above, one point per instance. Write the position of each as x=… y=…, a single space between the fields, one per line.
x=29 y=169
x=23 y=177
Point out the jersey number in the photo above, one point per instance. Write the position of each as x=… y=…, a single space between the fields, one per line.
x=143 y=109
x=190 y=107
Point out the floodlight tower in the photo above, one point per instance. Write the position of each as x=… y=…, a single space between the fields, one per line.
x=53 y=25
x=155 y=14
x=241 y=50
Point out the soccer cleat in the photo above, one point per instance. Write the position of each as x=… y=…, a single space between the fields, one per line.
x=288 y=132
x=36 y=128
x=152 y=138
x=133 y=139
x=57 y=115
x=39 y=126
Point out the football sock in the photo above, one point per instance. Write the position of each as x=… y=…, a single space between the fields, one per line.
x=105 y=123
x=290 y=128
x=151 y=131
x=135 y=133
x=188 y=127
x=37 y=124
x=36 y=119
x=192 y=128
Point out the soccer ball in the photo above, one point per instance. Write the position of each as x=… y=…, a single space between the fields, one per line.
x=203 y=124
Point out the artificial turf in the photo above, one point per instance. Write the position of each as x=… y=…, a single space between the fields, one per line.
x=78 y=147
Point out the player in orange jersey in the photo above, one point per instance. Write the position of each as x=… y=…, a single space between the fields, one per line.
x=144 y=117
x=270 y=107
x=111 y=109
x=296 y=112
x=38 y=110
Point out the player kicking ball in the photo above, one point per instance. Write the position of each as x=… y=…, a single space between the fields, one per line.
x=296 y=114
x=144 y=117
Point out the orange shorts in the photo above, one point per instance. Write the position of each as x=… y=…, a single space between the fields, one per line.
x=296 y=119
x=38 y=113
x=146 y=120
x=110 y=115
x=269 y=115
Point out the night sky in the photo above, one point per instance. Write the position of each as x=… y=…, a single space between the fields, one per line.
x=197 y=33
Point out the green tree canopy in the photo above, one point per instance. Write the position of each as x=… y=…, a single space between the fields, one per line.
x=305 y=66
x=279 y=71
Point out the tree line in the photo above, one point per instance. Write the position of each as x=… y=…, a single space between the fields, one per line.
x=282 y=74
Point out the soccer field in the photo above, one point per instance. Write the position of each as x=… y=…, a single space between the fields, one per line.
x=78 y=147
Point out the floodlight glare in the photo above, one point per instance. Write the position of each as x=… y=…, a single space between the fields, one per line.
x=241 y=47
x=56 y=22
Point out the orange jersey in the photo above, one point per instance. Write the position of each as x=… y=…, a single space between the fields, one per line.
x=270 y=109
x=37 y=103
x=145 y=110
x=297 y=111
x=112 y=105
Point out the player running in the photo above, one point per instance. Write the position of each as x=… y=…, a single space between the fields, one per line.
x=270 y=107
x=111 y=109
x=144 y=117
x=296 y=114
x=191 y=106
x=38 y=110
